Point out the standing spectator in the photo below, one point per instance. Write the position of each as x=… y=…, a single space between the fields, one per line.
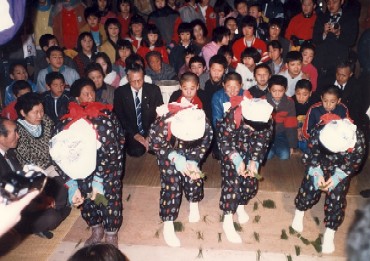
x=41 y=24
x=94 y=26
x=86 y=49
x=274 y=34
x=125 y=11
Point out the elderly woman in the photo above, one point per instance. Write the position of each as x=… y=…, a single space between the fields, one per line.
x=35 y=130
x=98 y=191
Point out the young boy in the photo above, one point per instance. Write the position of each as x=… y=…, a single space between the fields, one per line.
x=17 y=72
x=243 y=138
x=55 y=100
x=197 y=65
x=178 y=157
x=248 y=60
x=276 y=62
x=226 y=51
x=92 y=18
x=255 y=10
x=293 y=73
x=55 y=58
x=335 y=154
x=308 y=52
x=330 y=104
x=19 y=88
x=285 y=138
x=262 y=74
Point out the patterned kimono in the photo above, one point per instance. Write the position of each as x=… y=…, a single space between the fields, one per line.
x=109 y=166
x=173 y=182
x=349 y=162
x=251 y=145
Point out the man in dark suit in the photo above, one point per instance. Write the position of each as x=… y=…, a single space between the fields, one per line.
x=135 y=105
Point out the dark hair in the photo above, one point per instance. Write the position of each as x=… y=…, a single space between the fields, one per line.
x=189 y=77
x=44 y=40
x=26 y=103
x=13 y=65
x=152 y=29
x=304 y=84
x=275 y=44
x=106 y=59
x=94 y=67
x=50 y=77
x=81 y=37
x=276 y=21
x=262 y=66
x=197 y=59
x=219 y=59
x=3 y=129
x=123 y=44
x=19 y=86
x=230 y=18
x=134 y=58
x=233 y=76
x=153 y=53
x=307 y=45
x=53 y=49
x=332 y=89
x=92 y=11
x=184 y=28
x=189 y=50
x=225 y=49
x=98 y=252
x=119 y=2
x=237 y=2
x=278 y=80
x=110 y=21
x=77 y=86
x=137 y=19
x=201 y=24
x=293 y=56
x=251 y=52
x=346 y=64
x=135 y=68
x=255 y=4
x=249 y=21
x=219 y=33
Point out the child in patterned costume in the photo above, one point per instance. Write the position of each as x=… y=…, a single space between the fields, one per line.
x=244 y=136
x=180 y=137
x=336 y=150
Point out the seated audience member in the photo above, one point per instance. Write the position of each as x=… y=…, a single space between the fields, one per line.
x=188 y=54
x=197 y=65
x=285 y=138
x=275 y=27
x=124 y=49
x=104 y=10
x=19 y=88
x=55 y=100
x=111 y=76
x=157 y=69
x=220 y=37
x=104 y=93
x=227 y=52
x=17 y=71
x=255 y=10
x=136 y=31
x=308 y=52
x=262 y=74
x=86 y=49
x=248 y=60
x=94 y=26
x=98 y=252
x=125 y=10
x=276 y=62
x=55 y=58
x=135 y=59
x=241 y=8
x=200 y=33
x=135 y=105
x=293 y=72
x=231 y=24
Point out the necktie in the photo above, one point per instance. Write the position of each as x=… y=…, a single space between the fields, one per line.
x=138 y=114
x=9 y=162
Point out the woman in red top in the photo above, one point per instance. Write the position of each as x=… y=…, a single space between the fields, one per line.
x=125 y=10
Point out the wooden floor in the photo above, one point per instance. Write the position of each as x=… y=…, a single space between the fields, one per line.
x=279 y=175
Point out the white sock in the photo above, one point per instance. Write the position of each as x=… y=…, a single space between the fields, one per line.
x=328 y=246
x=242 y=214
x=194 y=212
x=229 y=229
x=297 y=223
x=170 y=235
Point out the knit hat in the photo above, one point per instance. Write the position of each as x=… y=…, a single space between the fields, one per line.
x=338 y=135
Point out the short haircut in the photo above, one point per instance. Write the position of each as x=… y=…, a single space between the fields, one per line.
x=233 y=76
x=293 y=56
x=91 y=11
x=110 y=21
x=154 y=54
x=346 y=64
x=307 y=45
x=189 y=77
x=225 y=49
x=119 y=2
x=53 y=49
x=81 y=37
x=134 y=58
x=19 y=86
x=26 y=103
x=45 y=39
x=278 y=80
x=13 y=65
x=185 y=28
x=251 y=52
x=189 y=50
x=135 y=68
x=249 y=21
x=91 y=67
x=279 y=22
x=50 y=77
x=275 y=44
x=124 y=44
x=219 y=33
x=201 y=24
x=237 y=2
x=77 y=86
x=255 y=4
x=332 y=89
x=219 y=59
x=262 y=66
x=3 y=129
x=197 y=59
x=97 y=252
x=304 y=84
x=106 y=59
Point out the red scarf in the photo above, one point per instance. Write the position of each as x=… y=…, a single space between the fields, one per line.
x=235 y=101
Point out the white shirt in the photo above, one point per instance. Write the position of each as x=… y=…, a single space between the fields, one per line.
x=291 y=82
x=338 y=85
x=139 y=94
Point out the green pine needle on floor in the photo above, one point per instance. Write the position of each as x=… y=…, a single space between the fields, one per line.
x=256 y=236
x=297 y=250
x=268 y=203
x=179 y=227
x=257 y=219
x=289 y=258
x=200 y=235
x=238 y=227
x=255 y=206
x=283 y=235
x=317 y=220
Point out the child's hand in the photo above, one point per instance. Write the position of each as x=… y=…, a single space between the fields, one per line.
x=300 y=134
x=241 y=170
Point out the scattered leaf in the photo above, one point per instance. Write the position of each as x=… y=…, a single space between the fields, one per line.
x=256 y=236
x=258 y=255
x=317 y=243
x=156 y=235
x=257 y=219
x=222 y=218
x=297 y=250
x=292 y=231
x=128 y=197
x=305 y=241
x=255 y=206
x=200 y=235
x=317 y=220
x=200 y=253
x=268 y=203
x=78 y=243
x=284 y=234
x=205 y=219
x=238 y=227
x=289 y=258
x=179 y=227
x=219 y=237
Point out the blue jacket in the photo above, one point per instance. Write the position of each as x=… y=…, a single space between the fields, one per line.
x=9 y=95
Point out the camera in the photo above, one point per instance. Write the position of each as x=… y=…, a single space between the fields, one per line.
x=335 y=25
x=15 y=185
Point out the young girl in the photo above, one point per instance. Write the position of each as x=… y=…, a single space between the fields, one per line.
x=104 y=7
x=188 y=54
x=179 y=150
x=104 y=93
x=200 y=33
x=152 y=41
x=125 y=11
x=113 y=30
x=124 y=50
x=308 y=52
x=249 y=57
x=86 y=49
x=111 y=77
x=136 y=31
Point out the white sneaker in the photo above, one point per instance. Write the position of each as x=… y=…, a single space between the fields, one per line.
x=194 y=215
x=242 y=214
x=169 y=234
x=229 y=229
x=297 y=223
x=328 y=246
